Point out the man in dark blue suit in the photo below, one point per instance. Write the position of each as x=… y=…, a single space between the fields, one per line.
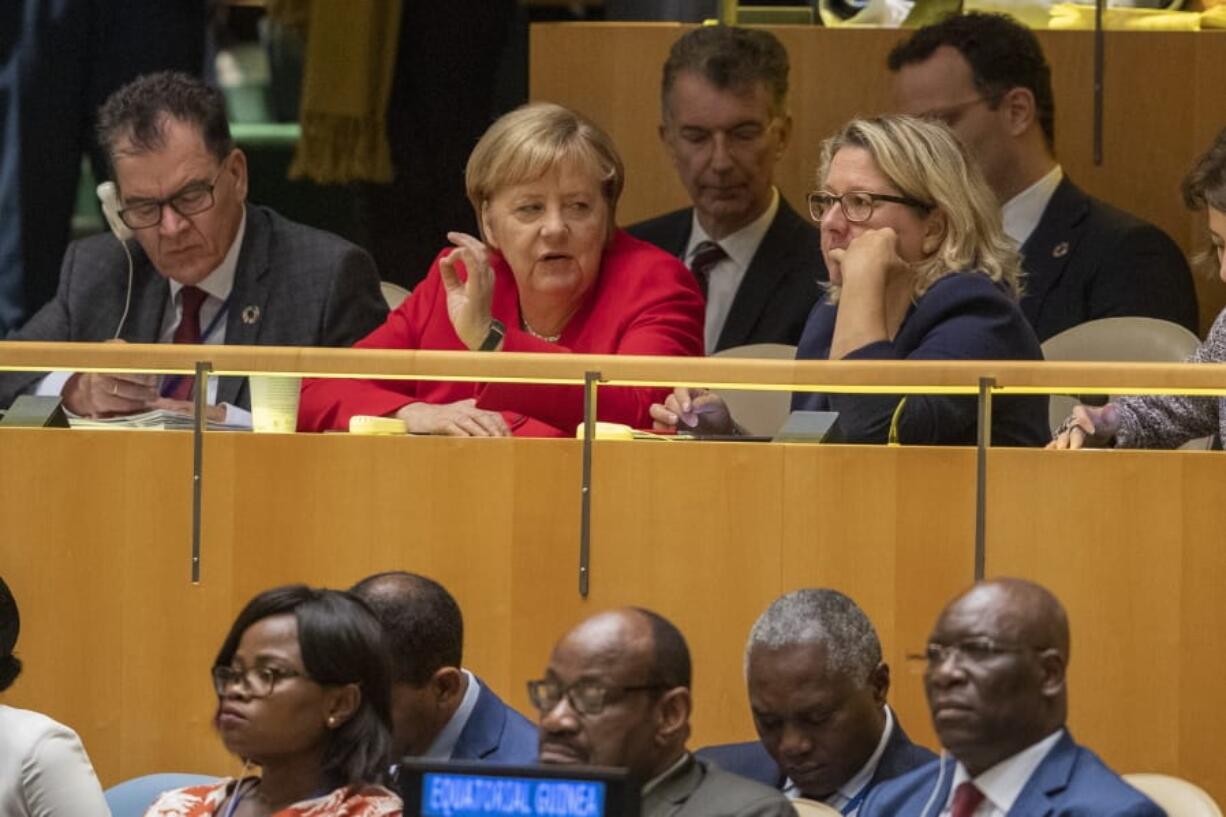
x=985 y=76
x=817 y=688
x=440 y=710
x=996 y=685
x=725 y=125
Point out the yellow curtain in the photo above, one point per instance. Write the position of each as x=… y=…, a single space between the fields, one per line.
x=346 y=83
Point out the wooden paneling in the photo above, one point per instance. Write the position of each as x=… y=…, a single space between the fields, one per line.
x=118 y=642
x=1163 y=102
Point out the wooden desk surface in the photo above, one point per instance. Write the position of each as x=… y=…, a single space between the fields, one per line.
x=118 y=643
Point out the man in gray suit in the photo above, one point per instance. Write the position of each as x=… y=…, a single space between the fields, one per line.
x=190 y=261
x=617 y=693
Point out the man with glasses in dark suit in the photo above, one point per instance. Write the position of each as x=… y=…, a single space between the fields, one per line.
x=616 y=693
x=985 y=76
x=190 y=261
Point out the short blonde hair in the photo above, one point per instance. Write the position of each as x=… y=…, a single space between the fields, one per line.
x=525 y=144
x=925 y=161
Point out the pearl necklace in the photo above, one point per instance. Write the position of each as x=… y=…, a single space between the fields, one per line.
x=547 y=338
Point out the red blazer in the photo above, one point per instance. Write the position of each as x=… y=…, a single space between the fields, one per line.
x=644 y=302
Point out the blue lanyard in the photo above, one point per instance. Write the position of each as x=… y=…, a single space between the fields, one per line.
x=169 y=384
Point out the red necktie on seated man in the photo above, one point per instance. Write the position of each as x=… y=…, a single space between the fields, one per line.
x=706 y=255
x=966 y=799
x=188 y=331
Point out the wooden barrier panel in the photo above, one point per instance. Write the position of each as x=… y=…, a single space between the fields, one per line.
x=1163 y=102
x=118 y=642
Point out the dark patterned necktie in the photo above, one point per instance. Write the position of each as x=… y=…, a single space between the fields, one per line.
x=706 y=255
x=188 y=331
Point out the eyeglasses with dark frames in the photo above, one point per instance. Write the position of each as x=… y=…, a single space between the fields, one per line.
x=585 y=697
x=258 y=681
x=857 y=205
x=192 y=200
x=970 y=651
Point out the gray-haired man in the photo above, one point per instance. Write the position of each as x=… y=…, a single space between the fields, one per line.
x=817 y=687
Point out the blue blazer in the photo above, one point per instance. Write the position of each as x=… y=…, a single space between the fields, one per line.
x=1070 y=782
x=963 y=316
x=496 y=733
x=751 y=759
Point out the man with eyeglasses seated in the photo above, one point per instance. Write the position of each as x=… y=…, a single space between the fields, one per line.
x=725 y=124
x=617 y=693
x=985 y=76
x=995 y=677
x=204 y=267
x=817 y=688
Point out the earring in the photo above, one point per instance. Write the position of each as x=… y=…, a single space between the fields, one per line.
x=331 y=721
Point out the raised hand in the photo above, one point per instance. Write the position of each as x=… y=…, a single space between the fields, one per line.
x=469 y=302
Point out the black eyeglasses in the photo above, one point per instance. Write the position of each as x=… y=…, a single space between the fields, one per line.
x=974 y=651
x=258 y=681
x=857 y=205
x=191 y=200
x=585 y=697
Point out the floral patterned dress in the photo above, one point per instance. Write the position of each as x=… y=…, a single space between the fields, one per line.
x=206 y=801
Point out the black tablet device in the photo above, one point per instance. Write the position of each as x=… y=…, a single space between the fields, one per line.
x=471 y=789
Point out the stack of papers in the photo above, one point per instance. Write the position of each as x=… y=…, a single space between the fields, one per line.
x=159 y=419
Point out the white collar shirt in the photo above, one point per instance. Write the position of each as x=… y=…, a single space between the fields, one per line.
x=1002 y=783
x=1022 y=213
x=857 y=782
x=725 y=277
x=444 y=744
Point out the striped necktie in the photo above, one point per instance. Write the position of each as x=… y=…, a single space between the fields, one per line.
x=706 y=255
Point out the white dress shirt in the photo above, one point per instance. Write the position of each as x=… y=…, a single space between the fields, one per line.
x=1021 y=214
x=44 y=771
x=1002 y=783
x=724 y=278
x=217 y=285
x=859 y=781
x=444 y=744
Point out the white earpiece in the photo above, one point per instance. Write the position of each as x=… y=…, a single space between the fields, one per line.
x=108 y=195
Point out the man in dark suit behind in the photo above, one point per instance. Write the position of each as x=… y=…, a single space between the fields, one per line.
x=817 y=688
x=616 y=692
x=725 y=125
x=985 y=76
x=439 y=709
x=997 y=687
x=205 y=266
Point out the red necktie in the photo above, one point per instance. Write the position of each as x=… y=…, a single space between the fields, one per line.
x=966 y=799
x=188 y=331
x=706 y=255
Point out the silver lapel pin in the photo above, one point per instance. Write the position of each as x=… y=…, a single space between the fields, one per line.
x=251 y=314
x=1060 y=250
